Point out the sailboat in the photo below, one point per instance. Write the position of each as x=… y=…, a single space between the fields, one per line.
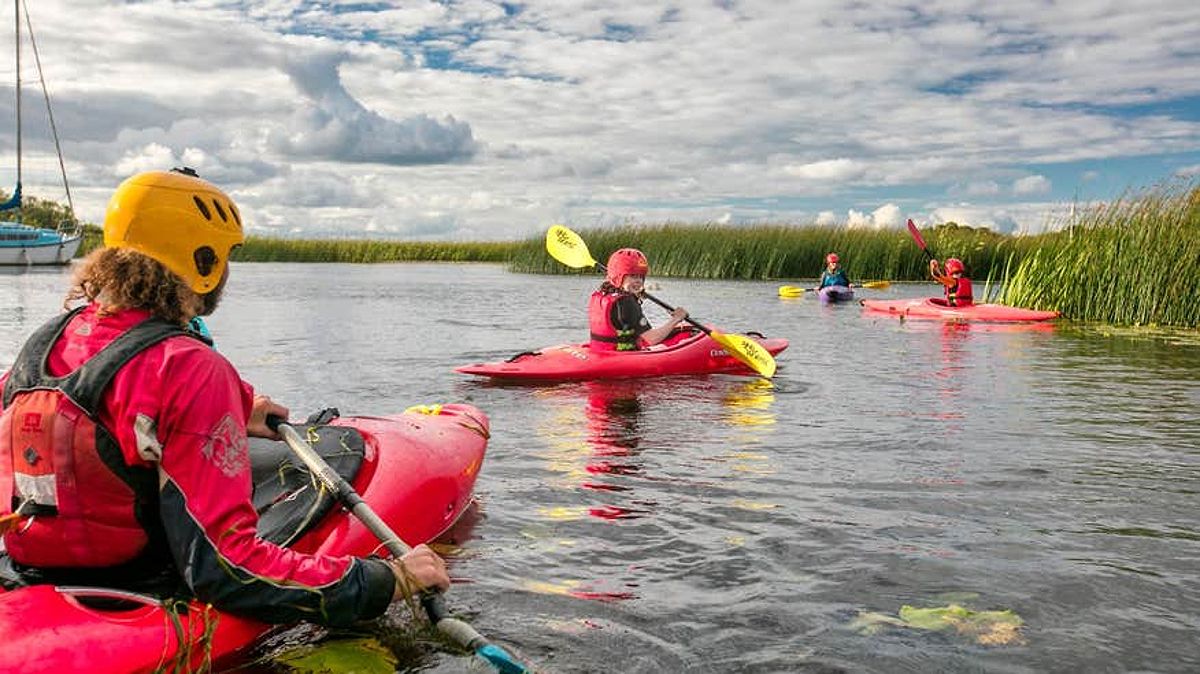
x=21 y=244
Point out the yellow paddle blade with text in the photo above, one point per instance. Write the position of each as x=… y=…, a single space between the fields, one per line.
x=748 y=351
x=568 y=248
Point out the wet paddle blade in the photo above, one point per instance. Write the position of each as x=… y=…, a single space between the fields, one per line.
x=790 y=291
x=502 y=661
x=568 y=248
x=748 y=351
x=877 y=285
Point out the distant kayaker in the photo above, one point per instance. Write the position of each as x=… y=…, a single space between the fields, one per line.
x=957 y=285
x=615 y=310
x=124 y=459
x=833 y=274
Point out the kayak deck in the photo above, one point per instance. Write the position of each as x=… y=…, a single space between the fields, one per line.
x=689 y=353
x=929 y=308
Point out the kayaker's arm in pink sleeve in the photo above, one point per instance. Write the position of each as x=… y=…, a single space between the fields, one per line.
x=205 y=488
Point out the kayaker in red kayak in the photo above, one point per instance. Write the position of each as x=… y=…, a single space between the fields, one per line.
x=957 y=285
x=615 y=310
x=124 y=458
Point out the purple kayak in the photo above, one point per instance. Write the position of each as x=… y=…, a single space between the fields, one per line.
x=831 y=294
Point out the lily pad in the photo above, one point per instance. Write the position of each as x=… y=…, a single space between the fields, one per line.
x=990 y=628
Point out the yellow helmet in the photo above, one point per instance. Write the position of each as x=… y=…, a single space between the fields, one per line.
x=184 y=222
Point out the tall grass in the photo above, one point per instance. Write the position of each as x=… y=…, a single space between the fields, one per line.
x=1134 y=261
x=782 y=251
x=258 y=249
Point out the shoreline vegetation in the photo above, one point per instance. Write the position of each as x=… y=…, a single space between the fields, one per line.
x=1134 y=261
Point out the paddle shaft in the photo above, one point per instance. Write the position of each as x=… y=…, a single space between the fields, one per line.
x=433 y=603
x=666 y=306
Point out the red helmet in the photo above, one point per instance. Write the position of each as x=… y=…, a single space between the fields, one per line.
x=831 y=258
x=954 y=266
x=625 y=262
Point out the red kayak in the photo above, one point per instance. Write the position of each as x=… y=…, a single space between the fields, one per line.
x=416 y=469
x=688 y=353
x=936 y=309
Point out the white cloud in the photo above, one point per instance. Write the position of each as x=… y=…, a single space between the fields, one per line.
x=1026 y=218
x=1031 y=185
x=458 y=120
x=830 y=169
x=826 y=218
x=982 y=188
x=150 y=157
x=1188 y=171
x=887 y=216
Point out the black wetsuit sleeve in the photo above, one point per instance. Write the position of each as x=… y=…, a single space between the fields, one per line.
x=627 y=315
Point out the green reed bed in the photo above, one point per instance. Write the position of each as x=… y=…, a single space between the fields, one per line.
x=781 y=251
x=259 y=249
x=1131 y=262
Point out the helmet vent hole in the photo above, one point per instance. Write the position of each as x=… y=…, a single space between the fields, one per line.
x=205 y=258
x=234 y=213
x=220 y=211
x=203 y=208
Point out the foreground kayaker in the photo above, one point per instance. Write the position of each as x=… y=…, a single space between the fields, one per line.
x=124 y=458
x=956 y=285
x=615 y=315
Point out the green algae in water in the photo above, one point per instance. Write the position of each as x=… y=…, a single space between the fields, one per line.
x=342 y=656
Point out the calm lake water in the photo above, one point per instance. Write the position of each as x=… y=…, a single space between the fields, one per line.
x=715 y=524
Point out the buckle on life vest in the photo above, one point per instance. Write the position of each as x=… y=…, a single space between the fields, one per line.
x=13 y=520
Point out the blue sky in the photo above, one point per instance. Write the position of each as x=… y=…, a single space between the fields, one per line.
x=492 y=120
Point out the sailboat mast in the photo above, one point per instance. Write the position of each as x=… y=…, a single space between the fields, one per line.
x=17 y=24
x=62 y=167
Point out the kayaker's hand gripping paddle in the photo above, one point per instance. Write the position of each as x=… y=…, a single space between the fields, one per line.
x=568 y=248
x=435 y=606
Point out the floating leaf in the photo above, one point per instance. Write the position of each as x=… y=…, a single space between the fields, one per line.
x=990 y=628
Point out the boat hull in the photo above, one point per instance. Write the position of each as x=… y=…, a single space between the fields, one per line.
x=835 y=294
x=418 y=473
x=40 y=254
x=928 y=308
x=694 y=354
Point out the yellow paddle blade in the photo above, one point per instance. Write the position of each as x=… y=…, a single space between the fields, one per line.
x=790 y=291
x=568 y=248
x=748 y=351
x=877 y=285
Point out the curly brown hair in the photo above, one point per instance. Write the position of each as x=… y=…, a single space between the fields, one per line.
x=123 y=278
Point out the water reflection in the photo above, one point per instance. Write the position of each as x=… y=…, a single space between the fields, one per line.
x=614 y=433
x=605 y=447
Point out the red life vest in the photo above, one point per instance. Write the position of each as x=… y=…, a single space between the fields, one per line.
x=959 y=295
x=603 y=332
x=606 y=335
x=61 y=471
